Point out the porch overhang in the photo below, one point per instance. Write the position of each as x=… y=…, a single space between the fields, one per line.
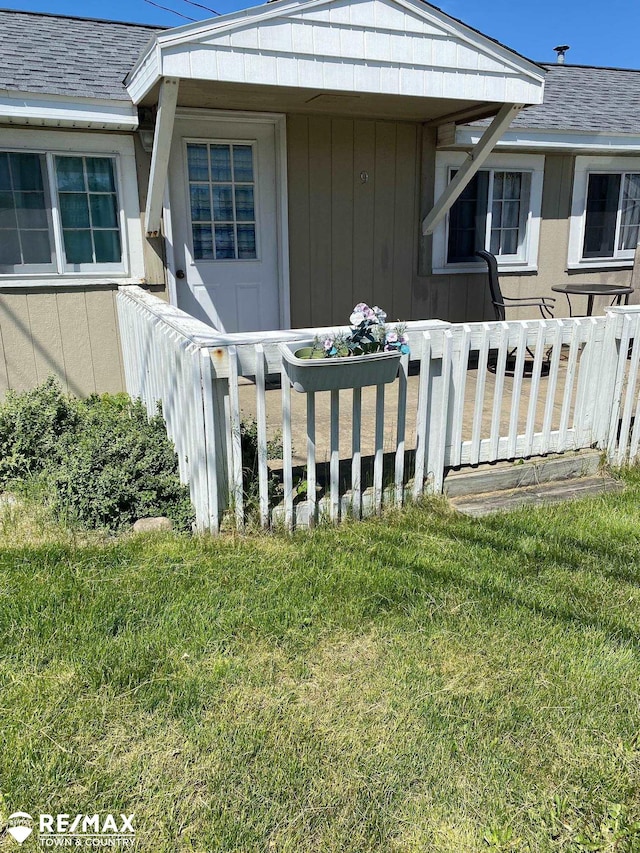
x=387 y=47
x=379 y=58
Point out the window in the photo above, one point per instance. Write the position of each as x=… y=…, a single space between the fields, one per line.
x=84 y=212
x=490 y=214
x=88 y=205
x=499 y=210
x=25 y=214
x=605 y=215
x=222 y=204
x=69 y=209
x=612 y=215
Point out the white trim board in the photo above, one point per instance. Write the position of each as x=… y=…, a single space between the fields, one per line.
x=27 y=108
x=564 y=140
x=395 y=47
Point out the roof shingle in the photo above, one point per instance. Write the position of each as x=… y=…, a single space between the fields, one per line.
x=584 y=98
x=60 y=55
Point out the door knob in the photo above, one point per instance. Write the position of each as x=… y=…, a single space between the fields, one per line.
x=179 y=273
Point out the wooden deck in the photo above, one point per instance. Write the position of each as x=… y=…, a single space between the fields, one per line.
x=247 y=397
x=579 y=392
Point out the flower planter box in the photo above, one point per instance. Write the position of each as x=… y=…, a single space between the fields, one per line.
x=332 y=374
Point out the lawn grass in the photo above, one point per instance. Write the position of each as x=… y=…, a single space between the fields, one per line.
x=419 y=682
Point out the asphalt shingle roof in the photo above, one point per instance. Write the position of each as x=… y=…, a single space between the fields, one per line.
x=82 y=57
x=68 y=56
x=584 y=98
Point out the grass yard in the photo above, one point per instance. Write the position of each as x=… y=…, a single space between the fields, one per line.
x=420 y=682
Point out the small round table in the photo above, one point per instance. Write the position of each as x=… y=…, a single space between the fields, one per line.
x=617 y=291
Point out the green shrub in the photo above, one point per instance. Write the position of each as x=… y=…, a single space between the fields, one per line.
x=119 y=467
x=31 y=426
x=100 y=462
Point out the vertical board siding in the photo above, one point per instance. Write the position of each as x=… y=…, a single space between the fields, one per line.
x=405 y=221
x=104 y=342
x=19 y=351
x=72 y=310
x=70 y=334
x=46 y=337
x=319 y=199
x=464 y=297
x=353 y=200
x=364 y=161
x=384 y=178
x=343 y=298
x=4 y=375
x=299 y=218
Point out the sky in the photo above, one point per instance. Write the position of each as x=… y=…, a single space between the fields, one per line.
x=598 y=33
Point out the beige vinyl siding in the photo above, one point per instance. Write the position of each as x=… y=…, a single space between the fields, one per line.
x=72 y=334
x=351 y=240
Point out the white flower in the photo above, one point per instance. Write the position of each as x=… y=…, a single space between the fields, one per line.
x=357 y=317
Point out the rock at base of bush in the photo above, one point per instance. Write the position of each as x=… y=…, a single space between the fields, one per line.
x=151 y=525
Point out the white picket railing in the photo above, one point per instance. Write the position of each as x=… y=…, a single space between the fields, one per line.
x=483 y=392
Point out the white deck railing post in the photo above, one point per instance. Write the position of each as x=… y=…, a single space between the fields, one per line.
x=438 y=416
x=623 y=321
x=607 y=381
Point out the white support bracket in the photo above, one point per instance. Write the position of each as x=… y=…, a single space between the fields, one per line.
x=471 y=165
x=160 y=157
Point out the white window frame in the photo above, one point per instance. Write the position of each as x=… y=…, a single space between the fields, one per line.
x=120 y=149
x=584 y=167
x=528 y=260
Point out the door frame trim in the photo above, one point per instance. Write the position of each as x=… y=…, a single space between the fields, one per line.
x=279 y=122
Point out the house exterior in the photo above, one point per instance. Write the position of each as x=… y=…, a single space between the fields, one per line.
x=269 y=168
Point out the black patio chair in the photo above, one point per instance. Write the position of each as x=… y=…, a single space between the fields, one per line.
x=544 y=303
x=498 y=300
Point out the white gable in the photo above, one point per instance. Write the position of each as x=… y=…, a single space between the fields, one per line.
x=393 y=47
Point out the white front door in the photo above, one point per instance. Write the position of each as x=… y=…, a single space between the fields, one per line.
x=225 y=227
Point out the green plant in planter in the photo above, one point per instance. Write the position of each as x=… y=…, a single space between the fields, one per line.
x=316 y=350
x=368 y=334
